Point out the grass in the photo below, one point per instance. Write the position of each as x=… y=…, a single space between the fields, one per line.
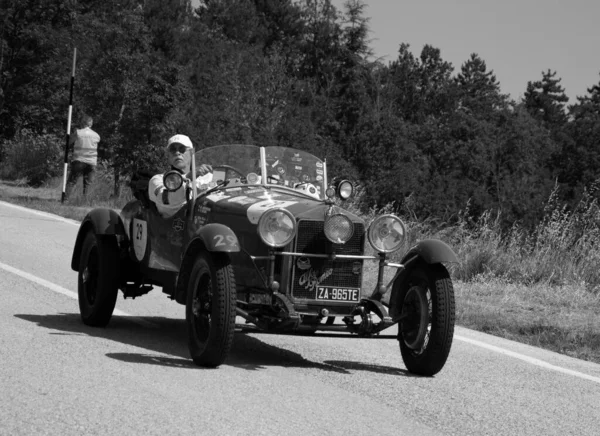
x=47 y=198
x=540 y=287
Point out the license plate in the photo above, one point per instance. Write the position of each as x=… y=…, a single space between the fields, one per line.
x=331 y=293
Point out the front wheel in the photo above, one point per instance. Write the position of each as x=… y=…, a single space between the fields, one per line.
x=97 y=282
x=427 y=318
x=210 y=309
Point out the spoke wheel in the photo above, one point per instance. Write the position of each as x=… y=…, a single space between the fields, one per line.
x=97 y=282
x=428 y=315
x=210 y=309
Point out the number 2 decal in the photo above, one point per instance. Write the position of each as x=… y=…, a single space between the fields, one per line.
x=222 y=240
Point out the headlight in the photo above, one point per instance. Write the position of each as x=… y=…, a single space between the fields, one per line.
x=277 y=227
x=386 y=233
x=338 y=228
x=172 y=180
x=345 y=189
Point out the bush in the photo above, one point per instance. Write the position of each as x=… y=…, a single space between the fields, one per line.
x=36 y=158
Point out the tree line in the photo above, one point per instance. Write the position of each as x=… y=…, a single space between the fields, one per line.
x=416 y=133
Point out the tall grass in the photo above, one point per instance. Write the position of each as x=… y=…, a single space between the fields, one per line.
x=561 y=250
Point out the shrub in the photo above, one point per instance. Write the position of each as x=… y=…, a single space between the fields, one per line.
x=34 y=157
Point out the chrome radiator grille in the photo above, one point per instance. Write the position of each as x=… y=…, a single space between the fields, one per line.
x=308 y=272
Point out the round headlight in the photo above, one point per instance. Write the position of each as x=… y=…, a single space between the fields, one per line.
x=338 y=228
x=345 y=189
x=277 y=227
x=172 y=180
x=386 y=233
x=330 y=192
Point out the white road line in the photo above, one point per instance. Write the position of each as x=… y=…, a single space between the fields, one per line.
x=530 y=360
x=40 y=213
x=71 y=294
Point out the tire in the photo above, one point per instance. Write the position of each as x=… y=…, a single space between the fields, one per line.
x=97 y=282
x=210 y=309
x=427 y=321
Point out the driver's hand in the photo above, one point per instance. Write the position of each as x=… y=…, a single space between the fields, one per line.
x=204 y=169
x=201 y=170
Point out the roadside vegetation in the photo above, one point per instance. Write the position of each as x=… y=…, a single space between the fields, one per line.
x=540 y=287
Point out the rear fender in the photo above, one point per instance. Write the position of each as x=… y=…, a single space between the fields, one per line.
x=101 y=222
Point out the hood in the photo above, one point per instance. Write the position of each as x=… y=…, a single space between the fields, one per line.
x=253 y=201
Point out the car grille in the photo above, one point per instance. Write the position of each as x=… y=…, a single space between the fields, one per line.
x=341 y=273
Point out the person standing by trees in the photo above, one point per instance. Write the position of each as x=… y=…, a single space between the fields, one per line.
x=85 y=155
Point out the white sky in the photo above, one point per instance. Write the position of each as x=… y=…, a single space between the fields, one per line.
x=518 y=39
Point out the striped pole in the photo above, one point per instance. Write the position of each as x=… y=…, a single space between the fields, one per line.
x=66 y=161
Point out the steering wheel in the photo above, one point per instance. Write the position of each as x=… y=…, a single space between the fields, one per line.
x=275 y=180
x=296 y=185
x=229 y=167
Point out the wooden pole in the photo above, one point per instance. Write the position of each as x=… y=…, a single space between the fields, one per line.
x=66 y=161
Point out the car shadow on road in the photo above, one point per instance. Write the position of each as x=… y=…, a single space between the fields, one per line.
x=378 y=369
x=168 y=337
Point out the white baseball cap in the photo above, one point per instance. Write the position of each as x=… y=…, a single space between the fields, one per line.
x=180 y=139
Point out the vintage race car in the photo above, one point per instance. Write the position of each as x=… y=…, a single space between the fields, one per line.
x=267 y=240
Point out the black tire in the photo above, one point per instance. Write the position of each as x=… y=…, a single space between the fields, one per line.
x=426 y=328
x=97 y=282
x=210 y=309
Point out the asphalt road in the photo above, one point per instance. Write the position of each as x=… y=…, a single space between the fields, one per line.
x=60 y=377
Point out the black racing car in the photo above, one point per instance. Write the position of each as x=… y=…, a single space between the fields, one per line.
x=267 y=240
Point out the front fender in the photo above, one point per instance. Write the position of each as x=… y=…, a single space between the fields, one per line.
x=217 y=237
x=431 y=251
x=101 y=222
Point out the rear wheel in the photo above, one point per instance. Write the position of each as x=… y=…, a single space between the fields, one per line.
x=97 y=282
x=427 y=319
x=210 y=309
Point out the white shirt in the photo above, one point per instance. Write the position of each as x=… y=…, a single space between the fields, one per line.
x=176 y=199
x=86 y=145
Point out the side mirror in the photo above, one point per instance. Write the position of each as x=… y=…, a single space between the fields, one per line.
x=172 y=180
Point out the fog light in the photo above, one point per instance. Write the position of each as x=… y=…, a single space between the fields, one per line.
x=338 y=228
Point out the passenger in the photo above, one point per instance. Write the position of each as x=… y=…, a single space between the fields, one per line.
x=179 y=155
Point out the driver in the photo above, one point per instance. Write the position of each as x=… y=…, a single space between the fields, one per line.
x=179 y=156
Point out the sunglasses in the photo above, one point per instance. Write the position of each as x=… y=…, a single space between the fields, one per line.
x=177 y=148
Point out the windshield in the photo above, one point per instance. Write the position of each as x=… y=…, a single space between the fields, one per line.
x=274 y=166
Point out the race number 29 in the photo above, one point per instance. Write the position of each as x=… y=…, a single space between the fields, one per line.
x=140 y=238
x=225 y=240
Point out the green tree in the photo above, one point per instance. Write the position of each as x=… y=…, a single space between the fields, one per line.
x=582 y=159
x=125 y=84
x=35 y=59
x=545 y=100
x=478 y=89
